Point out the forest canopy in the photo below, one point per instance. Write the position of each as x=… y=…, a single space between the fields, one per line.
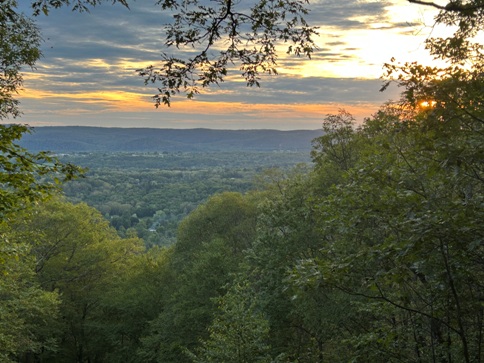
x=375 y=254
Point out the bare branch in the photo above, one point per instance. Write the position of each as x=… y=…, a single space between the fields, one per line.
x=451 y=6
x=427 y=3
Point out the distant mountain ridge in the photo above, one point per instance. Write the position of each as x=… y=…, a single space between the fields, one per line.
x=103 y=139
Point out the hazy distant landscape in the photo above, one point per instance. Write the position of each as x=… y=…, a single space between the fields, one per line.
x=88 y=139
x=149 y=193
x=145 y=181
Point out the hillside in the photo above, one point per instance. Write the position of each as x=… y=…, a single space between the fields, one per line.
x=89 y=139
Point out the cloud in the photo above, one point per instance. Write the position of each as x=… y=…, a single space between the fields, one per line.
x=347 y=14
x=88 y=72
x=193 y=114
x=308 y=90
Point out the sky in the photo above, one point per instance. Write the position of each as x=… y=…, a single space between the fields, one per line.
x=87 y=75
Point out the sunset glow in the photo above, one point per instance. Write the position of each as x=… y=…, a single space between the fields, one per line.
x=89 y=75
x=428 y=104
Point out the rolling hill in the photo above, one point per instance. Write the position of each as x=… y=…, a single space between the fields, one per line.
x=101 y=139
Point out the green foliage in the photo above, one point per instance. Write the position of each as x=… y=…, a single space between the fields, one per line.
x=375 y=255
x=209 y=249
x=19 y=47
x=337 y=145
x=44 y=6
x=336 y=151
x=136 y=296
x=405 y=224
x=153 y=192
x=26 y=311
x=229 y=216
x=20 y=170
x=79 y=256
x=26 y=177
x=239 y=332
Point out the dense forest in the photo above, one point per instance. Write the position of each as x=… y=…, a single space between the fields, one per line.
x=372 y=253
x=150 y=193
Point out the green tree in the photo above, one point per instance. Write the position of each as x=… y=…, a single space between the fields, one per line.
x=406 y=231
x=19 y=46
x=404 y=220
x=209 y=249
x=407 y=220
x=337 y=145
x=135 y=296
x=25 y=178
x=306 y=324
x=239 y=332
x=79 y=256
x=229 y=216
x=27 y=312
x=336 y=151
x=396 y=236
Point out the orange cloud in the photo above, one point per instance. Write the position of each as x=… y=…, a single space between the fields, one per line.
x=275 y=111
x=113 y=100
x=79 y=103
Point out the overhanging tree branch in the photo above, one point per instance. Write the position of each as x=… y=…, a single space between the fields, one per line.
x=227 y=35
x=451 y=6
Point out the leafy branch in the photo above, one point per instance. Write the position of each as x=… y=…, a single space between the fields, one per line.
x=226 y=35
